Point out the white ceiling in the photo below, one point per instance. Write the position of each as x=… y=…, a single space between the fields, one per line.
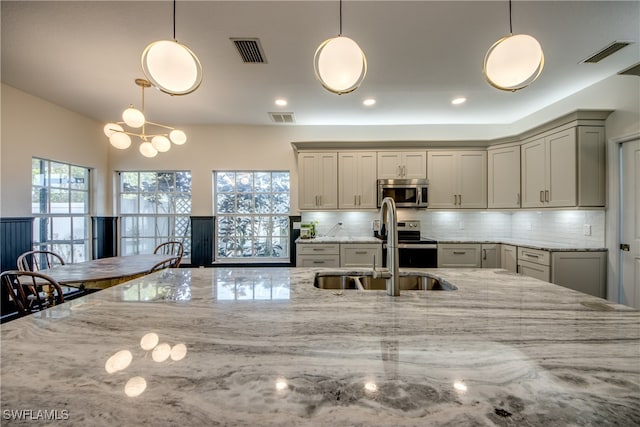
x=85 y=55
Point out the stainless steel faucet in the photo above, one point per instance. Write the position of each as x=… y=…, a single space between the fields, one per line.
x=389 y=220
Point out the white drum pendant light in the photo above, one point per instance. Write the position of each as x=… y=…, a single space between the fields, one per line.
x=513 y=62
x=339 y=63
x=171 y=66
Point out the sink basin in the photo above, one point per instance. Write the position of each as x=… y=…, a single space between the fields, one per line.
x=410 y=282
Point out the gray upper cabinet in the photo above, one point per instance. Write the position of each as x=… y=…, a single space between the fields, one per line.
x=402 y=165
x=503 y=177
x=457 y=179
x=564 y=169
x=318 y=180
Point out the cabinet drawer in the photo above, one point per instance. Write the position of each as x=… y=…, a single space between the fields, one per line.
x=318 y=249
x=534 y=255
x=360 y=255
x=459 y=255
x=537 y=271
x=332 y=261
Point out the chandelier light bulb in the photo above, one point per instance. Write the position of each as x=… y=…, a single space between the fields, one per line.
x=111 y=128
x=133 y=117
x=161 y=143
x=178 y=137
x=340 y=65
x=172 y=67
x=120 y=140
x=147 y=150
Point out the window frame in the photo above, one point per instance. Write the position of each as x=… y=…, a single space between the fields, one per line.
x=46 y=221
x=251 y=216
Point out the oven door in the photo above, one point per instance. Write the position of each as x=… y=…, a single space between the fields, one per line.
x=415 y=255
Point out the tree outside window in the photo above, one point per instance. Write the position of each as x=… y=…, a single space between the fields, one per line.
x=252 y=215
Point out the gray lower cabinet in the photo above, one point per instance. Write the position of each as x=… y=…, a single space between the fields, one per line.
x=581 y=271
x=490 y=256
x=534 y=263
x=335 y=255
x=509 y=257
x=318 y=255
x=456 y=255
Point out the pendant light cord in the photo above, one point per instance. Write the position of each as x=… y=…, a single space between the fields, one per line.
x=174 y=20
x=340 y=33
x=510 y=24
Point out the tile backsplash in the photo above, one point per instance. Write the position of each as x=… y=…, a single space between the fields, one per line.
x=553 y=226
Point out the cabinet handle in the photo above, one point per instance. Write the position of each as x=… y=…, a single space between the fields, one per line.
x=359 y=200
x=460 y=199
x=318 y=249
x=318 y=262
x=316 y=200
x=532 y=256
x=484 y=254
x=541 y=196
x=354 y=200
x=404 y=171
x=455 y=199
x=459 y=252
x=361 y=252
x=399 y=171
x=546 y=195
x=319 y=200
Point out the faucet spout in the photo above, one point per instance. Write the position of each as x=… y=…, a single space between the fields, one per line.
x=388 y=219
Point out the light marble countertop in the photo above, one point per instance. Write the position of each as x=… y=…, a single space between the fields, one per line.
x=534 y=244
x=264 y=347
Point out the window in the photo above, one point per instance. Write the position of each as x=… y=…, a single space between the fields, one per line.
x=252 y=215
x=60 y=206
x=154 y=207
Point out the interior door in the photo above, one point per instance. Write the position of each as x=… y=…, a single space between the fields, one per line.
x=630 y=230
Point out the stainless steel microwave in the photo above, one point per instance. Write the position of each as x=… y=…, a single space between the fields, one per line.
x=407 y=193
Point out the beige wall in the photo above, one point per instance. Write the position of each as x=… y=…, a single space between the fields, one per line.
x=32 y=127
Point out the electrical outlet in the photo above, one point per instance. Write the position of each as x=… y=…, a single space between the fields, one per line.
x=587 y=230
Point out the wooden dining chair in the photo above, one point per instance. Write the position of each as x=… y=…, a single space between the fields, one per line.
x=173 y=262
x=31 y=291
x=171 y=248
x=38 y=260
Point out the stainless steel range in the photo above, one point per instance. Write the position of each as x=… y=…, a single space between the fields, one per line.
x=413 y=250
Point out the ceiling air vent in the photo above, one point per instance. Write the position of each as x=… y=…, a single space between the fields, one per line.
x=634 y=70
x=282 y=117
x=605 y=52
x=250 y=50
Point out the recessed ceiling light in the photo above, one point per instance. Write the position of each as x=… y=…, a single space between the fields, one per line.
x=281 y=102
x=369 y=102
x=458 y=101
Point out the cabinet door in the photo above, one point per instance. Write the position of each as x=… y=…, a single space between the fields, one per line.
x=561 y=169
x=581 y=271
x=509 y=258
x=389 y=165
x=367 y=176
x=328 y=180
x=533 y=156
x=592 y=166
x=414 y=164
x=441 y=172
x=348 y=170
x=531 y=269
x=472 y=179
x=332 y=261
x=308 y=180
x=490 y=256
x=504 y=177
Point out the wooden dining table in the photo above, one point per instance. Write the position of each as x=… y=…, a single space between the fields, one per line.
x=104 y=272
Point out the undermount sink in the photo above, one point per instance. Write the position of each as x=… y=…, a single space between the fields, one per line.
x=409 y=282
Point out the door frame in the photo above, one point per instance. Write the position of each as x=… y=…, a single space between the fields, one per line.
x=614 y=215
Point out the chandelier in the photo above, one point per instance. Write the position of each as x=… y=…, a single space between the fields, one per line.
x=157 y=141
x=339 y=63
x=513 y=62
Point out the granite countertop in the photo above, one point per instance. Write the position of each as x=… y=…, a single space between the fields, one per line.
x=533 y=244
x=340 y=239
x=263 y=346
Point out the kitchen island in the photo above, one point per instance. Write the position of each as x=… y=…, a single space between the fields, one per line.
x=263 y=347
